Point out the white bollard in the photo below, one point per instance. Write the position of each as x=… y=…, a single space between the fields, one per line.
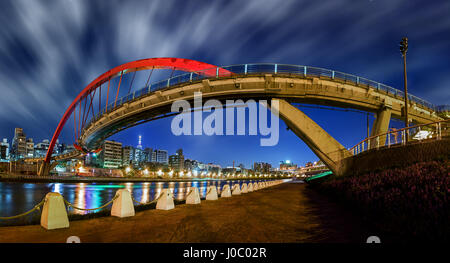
x=250 y=188
x=244 y=188
x=225 y=191
x=211 y=193
x=165 y=200
x=54 y=214
x=255 y=186
x=236 y=189
x=193 y=197
x=260 y=185
x=123 y=205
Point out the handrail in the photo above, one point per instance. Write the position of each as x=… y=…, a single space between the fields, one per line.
x=401 y=130
x=248 y=69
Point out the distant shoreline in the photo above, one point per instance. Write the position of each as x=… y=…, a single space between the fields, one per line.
x=77 y=179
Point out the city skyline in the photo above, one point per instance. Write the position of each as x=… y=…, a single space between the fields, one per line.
x=142 y=147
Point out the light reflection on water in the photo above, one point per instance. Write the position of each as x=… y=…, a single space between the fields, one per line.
x=16 y=198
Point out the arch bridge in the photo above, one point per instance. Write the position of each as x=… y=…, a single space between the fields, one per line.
x=285 y=83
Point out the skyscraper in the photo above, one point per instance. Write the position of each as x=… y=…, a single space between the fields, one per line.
x=176 y=161
x=127 y=154
x=137 y=160
x=147 y=155
x=4 y=150
x=111 y=154
x=30 y=148
x=139 y=146
x=160 y=156
x=19 y=144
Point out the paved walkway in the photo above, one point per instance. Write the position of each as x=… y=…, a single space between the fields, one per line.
x=289 y=212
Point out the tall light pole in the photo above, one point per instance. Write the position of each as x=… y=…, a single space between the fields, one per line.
x=404 y=49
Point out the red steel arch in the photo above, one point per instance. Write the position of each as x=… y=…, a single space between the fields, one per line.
x=143 y=64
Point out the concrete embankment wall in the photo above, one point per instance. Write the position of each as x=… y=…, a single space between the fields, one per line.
x=400 y=156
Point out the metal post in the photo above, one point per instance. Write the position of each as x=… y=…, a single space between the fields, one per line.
x=403 y=137
x=190 y=77
x=245 y=69
x=168 y=83
x=276 y=68
x=439 y=128
x=332 y=74
x=304 y=71
x=217 y=72
x=378 y=142
x=389 y=139
x=404 y=49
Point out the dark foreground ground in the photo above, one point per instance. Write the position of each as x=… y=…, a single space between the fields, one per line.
x=289 y=212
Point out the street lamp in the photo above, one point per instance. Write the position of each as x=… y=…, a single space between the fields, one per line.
x=404 y=49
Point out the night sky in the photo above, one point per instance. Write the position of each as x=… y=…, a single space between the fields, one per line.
x=50 y=50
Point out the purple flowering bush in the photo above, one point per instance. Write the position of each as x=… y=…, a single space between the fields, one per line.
x=410 y=203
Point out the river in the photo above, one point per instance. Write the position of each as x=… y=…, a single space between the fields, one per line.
x=18 y=197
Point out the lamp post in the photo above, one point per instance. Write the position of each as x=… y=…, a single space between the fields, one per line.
x=404 y=49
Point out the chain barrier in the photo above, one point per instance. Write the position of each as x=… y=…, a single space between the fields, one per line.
x=90 y=209
x=36 y=207
x=153 y=201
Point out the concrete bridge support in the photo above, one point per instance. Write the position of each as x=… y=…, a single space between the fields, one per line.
x=45 y=168
x=330 y=151
x=380 y=125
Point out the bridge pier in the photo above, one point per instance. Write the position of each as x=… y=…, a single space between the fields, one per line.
x=380 y=125
x=328 y=149
x=45 y=168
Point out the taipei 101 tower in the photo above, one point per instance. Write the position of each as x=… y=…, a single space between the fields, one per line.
x=139 y=146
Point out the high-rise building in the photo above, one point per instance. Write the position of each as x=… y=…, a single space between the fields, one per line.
x=176 y=161
x=30 y=148
x=138 y=155
x=147 y=155
x=111 y=154
x=4 y=150
x=160 y=156
x=262 y=167
x=137 y=158
x=139 y=146
x=127 y=154
x=40 y=149
x=19 y=145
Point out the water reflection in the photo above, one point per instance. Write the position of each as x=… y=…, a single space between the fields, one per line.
x=16 y=198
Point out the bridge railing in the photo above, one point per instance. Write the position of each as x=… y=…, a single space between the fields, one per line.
x=398 y=137
x=261 y=68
